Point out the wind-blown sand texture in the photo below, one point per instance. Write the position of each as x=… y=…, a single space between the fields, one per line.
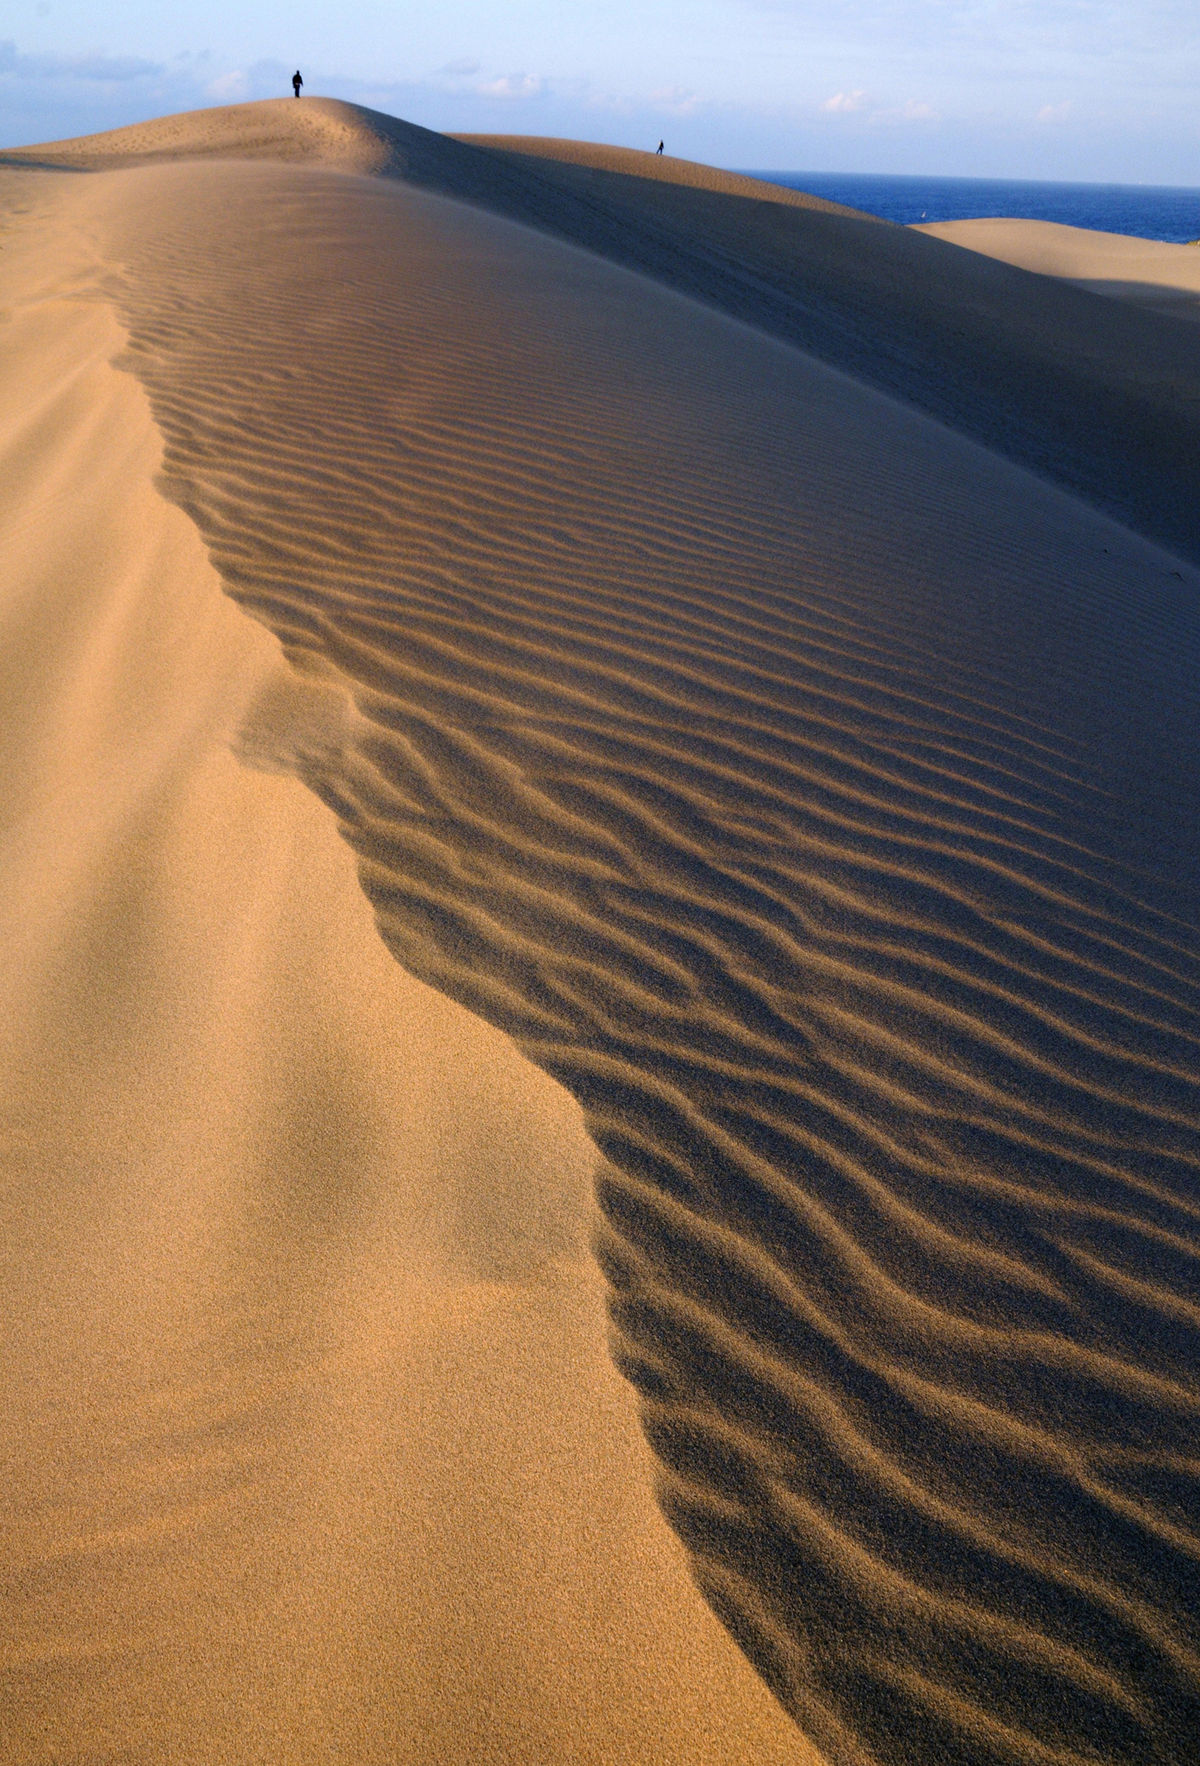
x=810 y=791
x=1149 y=272
x=312 y=1450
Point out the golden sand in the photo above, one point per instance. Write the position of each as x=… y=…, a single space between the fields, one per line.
x=1148 y=272
x=808 y=791
x=312 y=1448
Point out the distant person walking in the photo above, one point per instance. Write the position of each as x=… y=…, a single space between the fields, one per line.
x=297 y=82
x=659 y=148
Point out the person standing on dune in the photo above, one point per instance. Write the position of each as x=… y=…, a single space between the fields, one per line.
x=297 y=82
x=659 y=148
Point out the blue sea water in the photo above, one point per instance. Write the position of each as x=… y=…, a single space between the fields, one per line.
x=1147 y=211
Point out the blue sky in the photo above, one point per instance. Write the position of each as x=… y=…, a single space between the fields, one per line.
x=1093 y=89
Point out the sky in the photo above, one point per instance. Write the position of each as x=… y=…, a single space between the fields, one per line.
x=1105 y=90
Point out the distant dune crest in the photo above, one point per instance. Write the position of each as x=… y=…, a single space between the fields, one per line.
x=349 y=138
x=1102 y=401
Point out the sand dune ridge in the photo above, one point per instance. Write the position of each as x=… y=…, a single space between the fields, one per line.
x=312 y=1451
x=1102 y=399
x=744 y=745
x=1150 y=272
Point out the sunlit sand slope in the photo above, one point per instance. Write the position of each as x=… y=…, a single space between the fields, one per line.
x=815 y=795
x=1150 y=272
x=328 y=132
x=1100 y=396
x=312 y=1452
x=592 y=160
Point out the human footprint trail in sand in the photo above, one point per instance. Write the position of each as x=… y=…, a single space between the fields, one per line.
x=814 y=795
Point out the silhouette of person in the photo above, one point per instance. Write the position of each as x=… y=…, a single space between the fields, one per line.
x=659 y=148
x=297 y=82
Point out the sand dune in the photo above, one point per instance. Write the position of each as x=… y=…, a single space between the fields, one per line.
x=312 y=1450
x=813 y=794
x=1149 y=272
x=591 y=161
x=1101 y=400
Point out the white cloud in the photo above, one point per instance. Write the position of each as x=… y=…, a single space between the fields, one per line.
x=844 y=101
x=512 y=86
x=1055 y=113
x=229 y=88
x=914 y=110
x=675 y=100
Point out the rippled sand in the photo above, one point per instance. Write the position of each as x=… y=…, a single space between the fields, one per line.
x=810 y=791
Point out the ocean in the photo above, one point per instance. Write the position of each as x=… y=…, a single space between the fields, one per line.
x=1145 y=210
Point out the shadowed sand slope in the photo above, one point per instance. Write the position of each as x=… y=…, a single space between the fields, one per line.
x=1150 y=272
x=1102 y=397
x=1089 y=397
x=813 y=794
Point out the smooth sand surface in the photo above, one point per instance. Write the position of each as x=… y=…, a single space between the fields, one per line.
x=312 y=1446
x=1149 y=272
x=812 y=793
x=592 y=160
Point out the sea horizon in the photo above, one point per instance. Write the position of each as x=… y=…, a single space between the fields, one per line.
x=1166 y=212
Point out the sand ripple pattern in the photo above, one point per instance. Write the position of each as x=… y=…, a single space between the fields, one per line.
x=814 y=796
